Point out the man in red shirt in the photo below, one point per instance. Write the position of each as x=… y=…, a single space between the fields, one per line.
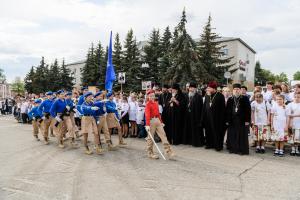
x=155 y=124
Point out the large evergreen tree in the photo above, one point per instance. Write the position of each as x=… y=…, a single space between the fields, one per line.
x=117 y=54
x=90 y=72
x=55 y=76
x=66 y=77
x=29 y=81
x=165 y=60
x=101 y=63
x=132 y=64
x=152 y=55
x=212 y=62
x=41 y=78
x=183 y=54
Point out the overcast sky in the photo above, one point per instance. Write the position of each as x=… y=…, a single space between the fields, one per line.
x=60 y=29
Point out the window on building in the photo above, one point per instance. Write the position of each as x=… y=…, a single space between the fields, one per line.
x=224 y=52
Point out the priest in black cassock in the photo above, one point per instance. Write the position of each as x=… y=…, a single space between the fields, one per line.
x=238 y=116
x=163 y=100
x=213 y=117
x=193 y=132
x=175 y=117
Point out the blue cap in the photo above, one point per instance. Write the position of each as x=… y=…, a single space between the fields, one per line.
x=109 y=94
x=68 y=94
x=59 y=92
x=97 y=94
x=84 y=88
x=49 y=93
x=87 y=94
x=37 y=101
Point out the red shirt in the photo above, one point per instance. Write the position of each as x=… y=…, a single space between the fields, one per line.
x=151 y=111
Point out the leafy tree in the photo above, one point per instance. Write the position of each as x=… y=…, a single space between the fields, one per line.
x=212 y=63
x=18 y=87
x=184 y=56
x=297 y=75
x=282 y=77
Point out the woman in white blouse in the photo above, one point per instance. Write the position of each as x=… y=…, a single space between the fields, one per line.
x=124 y=116
x=133 y=107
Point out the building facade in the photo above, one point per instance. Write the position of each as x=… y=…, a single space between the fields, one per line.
x=5 y=91
x=243 y=61
x=76 y=68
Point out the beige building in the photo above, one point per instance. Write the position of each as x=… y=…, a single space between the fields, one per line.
x=243 y=60
x=76 y=68
x=5 y=90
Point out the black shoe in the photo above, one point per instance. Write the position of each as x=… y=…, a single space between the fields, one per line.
x=297 y=154
x=262 y=151
x=208 y=147
x=292 y=153
x=258 y=150
x=276 y=153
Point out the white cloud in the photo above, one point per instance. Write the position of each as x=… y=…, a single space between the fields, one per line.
x=65 y=28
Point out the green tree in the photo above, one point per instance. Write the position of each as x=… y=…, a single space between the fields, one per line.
x=90 y=72
x=66 y=78
x=132 y=65
x=212 y=62
x=117 y=54
x=165 y=61
x=152 y=55
x=184 y=55
x=282 y=77
x=54 y=77
x=29 y=81
x=18 y=87
x=41 y=82
x=100 y=66
x=297 y=76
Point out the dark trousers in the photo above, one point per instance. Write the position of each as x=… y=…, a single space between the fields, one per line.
x=24 y=118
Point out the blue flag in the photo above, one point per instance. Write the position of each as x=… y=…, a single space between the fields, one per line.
x=110 y=71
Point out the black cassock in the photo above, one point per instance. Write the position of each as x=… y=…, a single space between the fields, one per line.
x=163 y=100
x=213 y=120
x=238 y=112
x=193 y=132
x=175 y=119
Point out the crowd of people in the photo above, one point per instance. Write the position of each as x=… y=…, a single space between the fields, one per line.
x=210 y=117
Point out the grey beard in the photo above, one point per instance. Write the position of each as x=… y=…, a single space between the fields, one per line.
x=191 y=94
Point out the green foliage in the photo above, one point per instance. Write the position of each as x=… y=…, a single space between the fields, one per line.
x=212 y=64
x=41 y=78
x=297 y=76
x=262 y=76
x=18 y=87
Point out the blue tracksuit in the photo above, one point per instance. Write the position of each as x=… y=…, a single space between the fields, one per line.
x=58 y=107
x=46 y=106
x=35 y=113
x=111 y=107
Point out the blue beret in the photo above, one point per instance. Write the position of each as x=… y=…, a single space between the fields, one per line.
x=59 y=92
x=87 y=94
x=97 y=94
x=109 y=94
x=68 y=94
x=49 y=93
x=37 y=101
x=84 y=88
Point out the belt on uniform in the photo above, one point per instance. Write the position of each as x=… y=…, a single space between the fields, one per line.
x=87 y=115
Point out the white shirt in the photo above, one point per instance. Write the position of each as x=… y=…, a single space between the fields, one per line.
x=260 y=112
x=140 y=115
x=268 y=95
x=279 y=119
x=133 y=105
x=294 y=109
x=24 y=107
x=124 y=108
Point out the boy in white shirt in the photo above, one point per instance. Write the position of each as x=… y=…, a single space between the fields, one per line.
x=140 y=119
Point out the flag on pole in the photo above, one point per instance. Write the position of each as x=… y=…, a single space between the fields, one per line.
x=110 y=71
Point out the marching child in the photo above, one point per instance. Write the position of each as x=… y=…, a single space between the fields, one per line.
x=279 y=122
x=260 y=110
x=294 y=123
x=37 y=122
